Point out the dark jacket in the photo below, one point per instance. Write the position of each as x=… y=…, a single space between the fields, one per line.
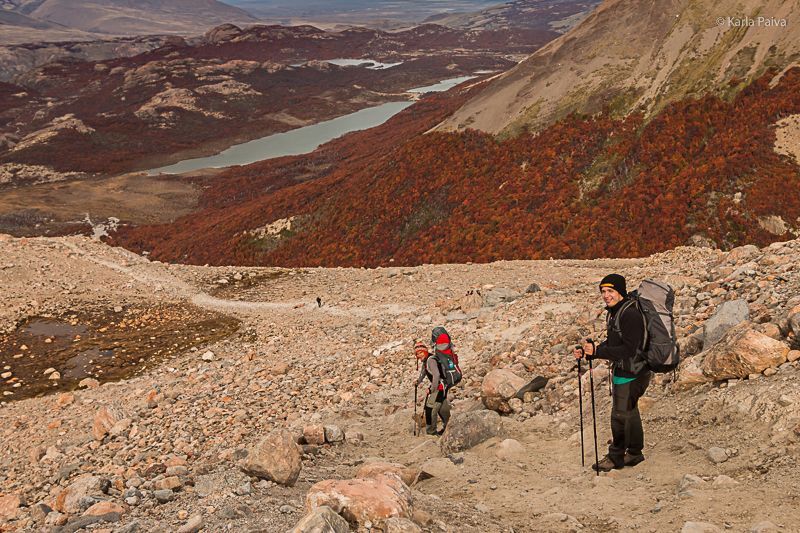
x=620 y=347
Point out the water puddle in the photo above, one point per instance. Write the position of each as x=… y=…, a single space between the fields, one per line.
x=100 y=344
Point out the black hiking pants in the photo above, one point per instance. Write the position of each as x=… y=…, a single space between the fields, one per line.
x=626 y=423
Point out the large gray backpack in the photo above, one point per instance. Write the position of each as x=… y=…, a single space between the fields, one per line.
x=655 y=301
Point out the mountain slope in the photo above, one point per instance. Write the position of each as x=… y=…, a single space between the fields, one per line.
x=125 y=17
x=554 y=15
x=582 y=188
x=639 y=55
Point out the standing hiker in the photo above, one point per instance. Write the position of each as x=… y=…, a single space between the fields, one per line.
x=441 y=369
x=631 y=375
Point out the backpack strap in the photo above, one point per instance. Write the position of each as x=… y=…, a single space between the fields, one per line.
x=631 y=303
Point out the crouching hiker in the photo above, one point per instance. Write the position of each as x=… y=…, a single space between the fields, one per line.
x=442 y=370
x=625 y=328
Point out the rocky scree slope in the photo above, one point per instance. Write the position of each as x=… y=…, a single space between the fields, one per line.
x=185 y=445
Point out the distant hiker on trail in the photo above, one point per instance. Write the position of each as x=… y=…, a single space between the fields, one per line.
x=631 y=375
x=442 y=370
x=319 y=301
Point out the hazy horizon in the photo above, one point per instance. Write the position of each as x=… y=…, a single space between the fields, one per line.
x=359 y=9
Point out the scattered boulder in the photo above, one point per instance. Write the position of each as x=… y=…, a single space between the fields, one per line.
x=794 y=320
x=727 y=315
x=104 y=420
x=193 y=525
x=69 y=500
x=88 y=383
x=723 y=481
x=510 y=450
x=534 y=385
x=743 y=351
x=472 y=301
x=690 y=373
x=323 y=519
x=689 y=481
x=498 y=387
x=379 y=468
x=533 y=287
x=742 y=253
x=104 y=508
x=10 y=506
x=717 y=455
x=466 y=430
x=314 y=434
x=359 y=501
x=276 y=458
x=401 y=525
x=164 y=495
x=499 y=295
x=334 y=434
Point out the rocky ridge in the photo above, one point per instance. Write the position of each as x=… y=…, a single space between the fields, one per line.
x=181 y=445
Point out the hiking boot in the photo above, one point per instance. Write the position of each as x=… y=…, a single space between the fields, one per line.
x=633 y=459
x=430 y=430
x=606 y=464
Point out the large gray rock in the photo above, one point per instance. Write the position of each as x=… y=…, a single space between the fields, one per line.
x=499 y=295
x=728 y=315
x=323 y=519
x=276 y=458
x=466 y=430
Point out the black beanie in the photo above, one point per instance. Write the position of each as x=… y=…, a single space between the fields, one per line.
x=616 y=282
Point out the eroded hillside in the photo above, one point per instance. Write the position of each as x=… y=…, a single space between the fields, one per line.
x=639 y=55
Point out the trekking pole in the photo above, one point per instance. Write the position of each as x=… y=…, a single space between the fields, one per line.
x=580 y=407
x=416 y=387
x=594 y=418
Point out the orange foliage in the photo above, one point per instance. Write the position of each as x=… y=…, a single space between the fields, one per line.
x=582 y=188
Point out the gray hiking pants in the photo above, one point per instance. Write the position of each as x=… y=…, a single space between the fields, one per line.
x=436 y=406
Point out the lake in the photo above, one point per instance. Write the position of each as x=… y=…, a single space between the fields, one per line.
x=306 y=139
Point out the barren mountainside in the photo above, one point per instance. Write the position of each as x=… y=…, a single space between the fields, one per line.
x=120 y=17
x=639 y=55
x=555 y=15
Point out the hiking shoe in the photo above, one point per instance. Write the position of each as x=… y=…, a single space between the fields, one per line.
x=633 y=460
x=606 y=464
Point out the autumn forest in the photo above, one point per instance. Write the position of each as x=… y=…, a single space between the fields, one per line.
x=585 y=187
